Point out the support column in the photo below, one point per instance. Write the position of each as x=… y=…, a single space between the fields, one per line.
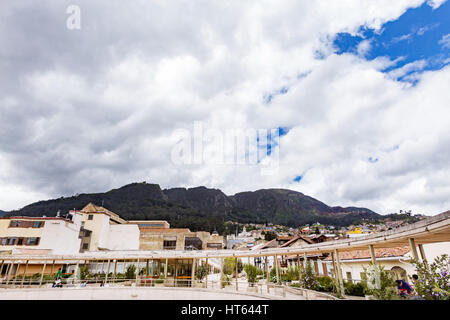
x=193 y=272
x=153 y=267
x=267 y=270
x=422 y=253
x=8 y=266
x=115 y=270
x=305 y=261
x=107 y=271
x=176 y=272
x=9 y=272
x=298 y=268
x=137 y=272
x=236 y=262
x=17 y=273
x=207 y=271
x=372 y=254
x=339 y=272
x=412 y=244
x=42 y=274
x=24 y=273
x=147 y=266
x=77 y=269
x=221 y=274
x=335 y=275
x=165 y=268
x=96 y=266
x=53 y=268
x=158 y=268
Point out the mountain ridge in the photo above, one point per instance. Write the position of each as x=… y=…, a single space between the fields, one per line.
x=202 y=208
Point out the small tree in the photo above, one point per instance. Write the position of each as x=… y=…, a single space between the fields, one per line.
x=252 y=273
x=84 y=272
x=224 y=281
x=201 y=271
x=433 y=282
x=131 y=272
x=229 y=266
x=380 y=283
x=269 y=235
x=308 y=279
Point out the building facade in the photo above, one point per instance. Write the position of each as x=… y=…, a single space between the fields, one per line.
x=50 y=235
x=157 y=235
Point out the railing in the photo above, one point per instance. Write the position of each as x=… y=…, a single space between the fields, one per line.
x=261 y=288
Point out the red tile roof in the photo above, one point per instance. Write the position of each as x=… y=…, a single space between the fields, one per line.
x=379 y=253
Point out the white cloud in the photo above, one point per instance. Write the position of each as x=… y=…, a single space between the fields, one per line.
x=445 y=41
x=435 y=3
x=364 y=48
x=412 y=67
x=92 y=110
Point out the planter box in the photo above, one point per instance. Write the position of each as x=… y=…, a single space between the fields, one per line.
x=252 y=289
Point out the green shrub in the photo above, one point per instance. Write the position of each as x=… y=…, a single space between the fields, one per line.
x=201 y=271
x=84 y=272
x=229 y=266
x=308 y=279
x=433 y=282
x=131 y=272
x=252 y=273
x=355 y=289
x=325 y=284
x=380 y=283
x=224 y=281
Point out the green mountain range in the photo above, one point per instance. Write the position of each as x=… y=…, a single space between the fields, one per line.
x=206 y=209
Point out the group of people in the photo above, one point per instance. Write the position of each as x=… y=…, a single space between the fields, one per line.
x=405 y=290
x=58 y=280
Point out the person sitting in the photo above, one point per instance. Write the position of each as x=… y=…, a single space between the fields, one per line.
x=404 y=288
x=57 y=284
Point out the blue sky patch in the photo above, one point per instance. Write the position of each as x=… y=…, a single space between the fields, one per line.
x=268 y=98
x=418 y=41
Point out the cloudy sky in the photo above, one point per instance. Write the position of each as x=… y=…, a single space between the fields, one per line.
x=359 y=88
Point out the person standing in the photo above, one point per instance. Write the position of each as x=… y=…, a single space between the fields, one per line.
x=59 y=274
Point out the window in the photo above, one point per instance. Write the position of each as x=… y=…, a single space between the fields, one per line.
x=11 y=241
x=14 y=224
x=37 y=224
x=32 y=241
x=170 y=244
x=349 y=276
x=85 y=246
x=87 y=233
x=214 y=245
x=20 y=242
x=192 y=243
x=152 y=225
x=3 y=241
x=91 y=217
